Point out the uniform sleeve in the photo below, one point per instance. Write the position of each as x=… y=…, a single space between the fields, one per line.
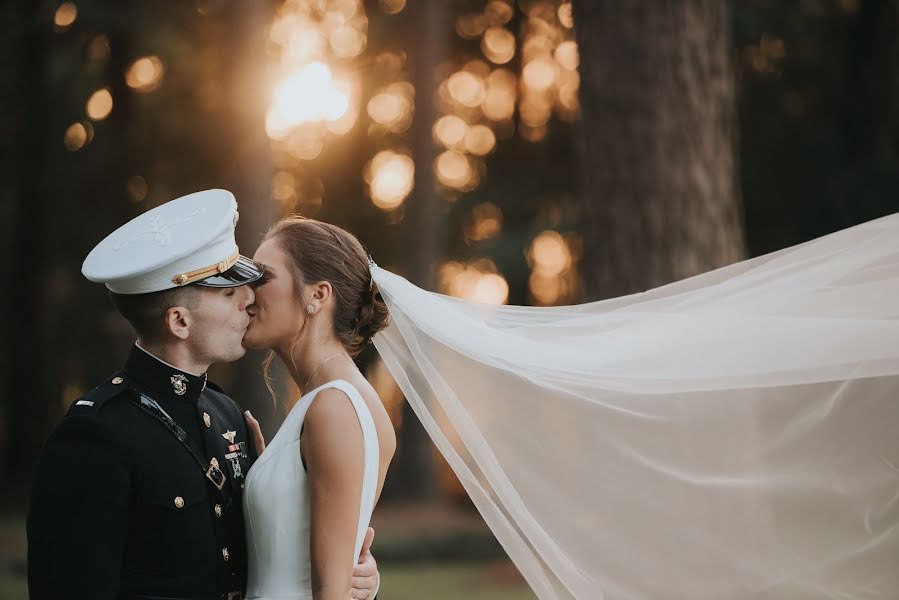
x=78 y=514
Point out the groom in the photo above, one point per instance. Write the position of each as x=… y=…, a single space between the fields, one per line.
x=137 y=494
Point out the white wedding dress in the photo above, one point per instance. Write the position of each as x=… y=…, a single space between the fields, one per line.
x=276 y=504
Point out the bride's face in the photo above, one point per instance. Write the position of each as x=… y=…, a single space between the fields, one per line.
x=276 y=315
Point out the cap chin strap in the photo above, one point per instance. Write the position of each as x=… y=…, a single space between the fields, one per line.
x=203 y=273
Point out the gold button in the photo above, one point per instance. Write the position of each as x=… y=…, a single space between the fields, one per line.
x=225 y=554
x=218 y=510
x=117 y=380
x=179 y=502
x=207 y=419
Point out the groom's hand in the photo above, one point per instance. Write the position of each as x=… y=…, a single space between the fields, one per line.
x=365 y=575
x=255 y=431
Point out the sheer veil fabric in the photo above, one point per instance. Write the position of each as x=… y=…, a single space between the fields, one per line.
x=732 y=435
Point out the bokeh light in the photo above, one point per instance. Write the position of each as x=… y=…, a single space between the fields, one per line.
x=75 y=137
x=311 y=42
x=305 y=143
x=549 y=254
x=99 y=105
x=566 y=55
x=480 y=140
x=539 y=74
x=145 y=74
x=347 y=42
x=485 y=223
x=284 y=191
x=65 y=15
x=304 y=44
x=393 y=106
x=554 y=278
x=565 y=15
x=498 y=12
x=471 y=26
x=450 y=130
x=478 y=281
x=466 y=88
x=454 y=170
x=498 y=45
x=499 y=102
x=392 y=7
x=390 y=176
x=309 y=95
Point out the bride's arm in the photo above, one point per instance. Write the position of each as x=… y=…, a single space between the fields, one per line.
x=333 y=451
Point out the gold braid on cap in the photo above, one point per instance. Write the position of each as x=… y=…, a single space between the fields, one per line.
x=198 y=274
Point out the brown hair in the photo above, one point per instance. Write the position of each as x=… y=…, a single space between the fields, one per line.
x=320 y=251
x=146 y=312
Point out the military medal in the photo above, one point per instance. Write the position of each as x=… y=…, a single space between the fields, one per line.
x=179 y=384
x=234 y=458
x=234 y=454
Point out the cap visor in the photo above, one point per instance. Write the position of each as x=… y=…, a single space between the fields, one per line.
x=243 y=272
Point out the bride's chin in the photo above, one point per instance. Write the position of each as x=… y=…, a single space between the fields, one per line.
x=251 y=342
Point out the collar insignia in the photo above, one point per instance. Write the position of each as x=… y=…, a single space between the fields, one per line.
x=179 y=384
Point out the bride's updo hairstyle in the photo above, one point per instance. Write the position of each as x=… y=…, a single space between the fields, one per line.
x=320 y=251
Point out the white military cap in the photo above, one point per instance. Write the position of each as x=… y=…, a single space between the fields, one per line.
x=184 y=241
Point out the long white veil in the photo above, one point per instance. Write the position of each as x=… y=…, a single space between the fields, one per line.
x=732 y=435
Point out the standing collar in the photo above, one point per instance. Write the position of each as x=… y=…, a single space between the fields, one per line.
x=163 y=378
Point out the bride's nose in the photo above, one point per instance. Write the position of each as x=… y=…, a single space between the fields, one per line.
x=249 y=297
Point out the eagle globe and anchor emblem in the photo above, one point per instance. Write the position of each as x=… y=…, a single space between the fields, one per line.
x=179 y=384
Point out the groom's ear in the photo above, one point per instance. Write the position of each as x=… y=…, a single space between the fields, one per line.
x=177 y=321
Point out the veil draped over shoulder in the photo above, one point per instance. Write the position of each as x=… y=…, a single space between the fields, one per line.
x=732 y=435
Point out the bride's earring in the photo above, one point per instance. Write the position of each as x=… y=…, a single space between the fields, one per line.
x=310 y=309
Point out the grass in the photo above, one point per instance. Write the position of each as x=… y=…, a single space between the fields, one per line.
x=398 y=582
x=12 y=552
x=478 y=580
x=441 y=582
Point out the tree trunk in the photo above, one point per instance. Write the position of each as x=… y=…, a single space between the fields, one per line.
x=27 y=392
x=659 y=198
x=413 y=475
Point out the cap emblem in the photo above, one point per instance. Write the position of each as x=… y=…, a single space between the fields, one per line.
x=159 y=230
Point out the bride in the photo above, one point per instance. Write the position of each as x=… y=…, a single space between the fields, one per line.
x=732 y=435
x=310 y=495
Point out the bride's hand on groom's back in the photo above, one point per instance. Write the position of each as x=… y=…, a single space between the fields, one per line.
x=255 y=432
x=365 y=574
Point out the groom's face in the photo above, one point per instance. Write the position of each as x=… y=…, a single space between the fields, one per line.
x=219 y=323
